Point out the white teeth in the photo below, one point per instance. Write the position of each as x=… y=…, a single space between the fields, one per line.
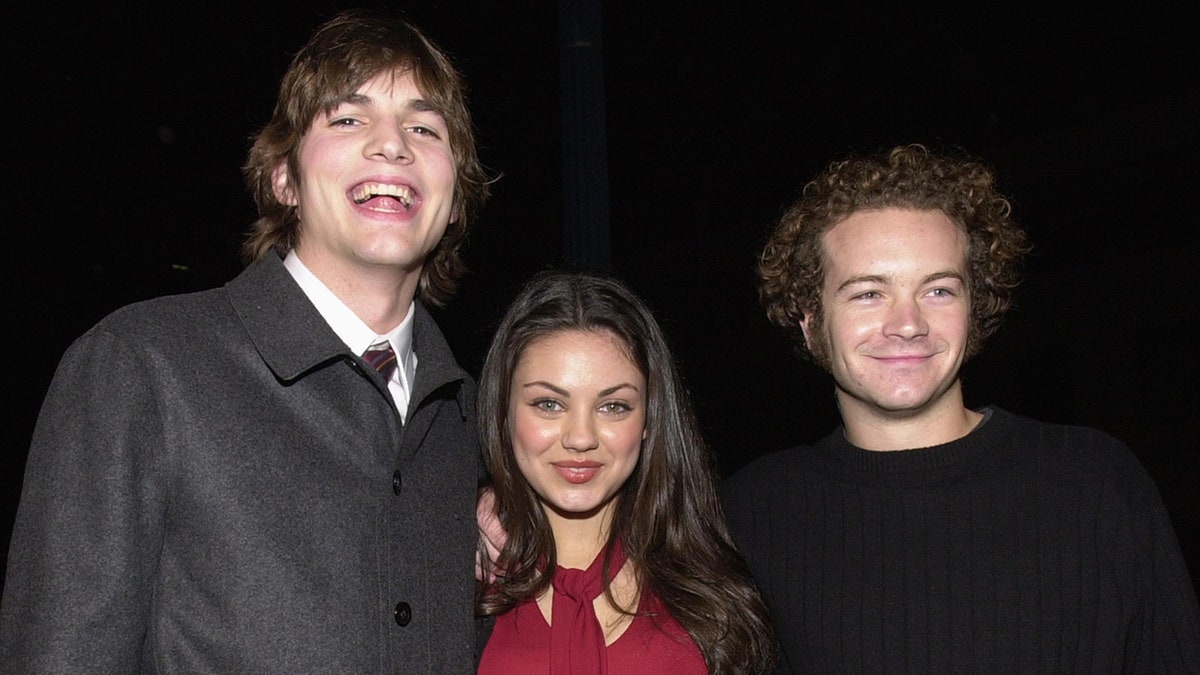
x=368 y=190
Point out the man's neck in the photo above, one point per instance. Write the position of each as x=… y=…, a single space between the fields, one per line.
x=942 y=421
x=379 y=295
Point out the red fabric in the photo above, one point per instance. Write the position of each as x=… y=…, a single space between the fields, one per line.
x=576 y=638
x=654 y=643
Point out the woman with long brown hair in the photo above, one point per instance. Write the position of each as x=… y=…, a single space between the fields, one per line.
x=617 y=557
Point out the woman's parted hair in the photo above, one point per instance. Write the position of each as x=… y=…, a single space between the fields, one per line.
x=791 y=267
x=344 y=53
x=668 y=515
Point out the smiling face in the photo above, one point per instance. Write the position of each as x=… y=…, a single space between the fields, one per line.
x=577 y=416
x=376 y=183
x=896 y=315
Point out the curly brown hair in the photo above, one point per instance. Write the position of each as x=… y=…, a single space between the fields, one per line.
x=344 y=53
x=791 y=267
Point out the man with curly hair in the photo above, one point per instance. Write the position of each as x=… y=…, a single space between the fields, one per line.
x=922 y=536
x=278 y=476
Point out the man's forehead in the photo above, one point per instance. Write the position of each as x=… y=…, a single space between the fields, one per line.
x=871 y=227
x=384 y=84
x=388 y=81
x=890 y=238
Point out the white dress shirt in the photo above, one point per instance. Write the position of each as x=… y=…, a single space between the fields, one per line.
x=357 y=335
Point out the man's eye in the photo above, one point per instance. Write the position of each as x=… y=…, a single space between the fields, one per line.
x=425 y=131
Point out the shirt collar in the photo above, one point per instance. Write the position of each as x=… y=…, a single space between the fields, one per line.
x=357 y=335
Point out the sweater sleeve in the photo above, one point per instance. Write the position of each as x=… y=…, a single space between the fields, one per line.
x=87 y=534
x=1171 y=637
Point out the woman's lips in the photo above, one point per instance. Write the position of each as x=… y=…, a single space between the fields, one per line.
x=577 y=472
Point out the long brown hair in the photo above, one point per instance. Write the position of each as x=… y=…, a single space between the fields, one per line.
x=668 y=516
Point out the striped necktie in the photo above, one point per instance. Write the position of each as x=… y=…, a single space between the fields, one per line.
x=381 y=357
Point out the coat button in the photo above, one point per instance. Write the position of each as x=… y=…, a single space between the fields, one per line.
x=403 y=613
x=396 y=482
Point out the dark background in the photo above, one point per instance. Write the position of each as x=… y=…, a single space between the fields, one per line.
x=126 y=129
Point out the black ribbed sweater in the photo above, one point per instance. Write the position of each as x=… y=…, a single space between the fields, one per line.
x=1022 y=548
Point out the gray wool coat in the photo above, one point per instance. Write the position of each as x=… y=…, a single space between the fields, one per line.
x=217 y=485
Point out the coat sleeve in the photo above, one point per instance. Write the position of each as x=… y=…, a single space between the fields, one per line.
x=88 y=530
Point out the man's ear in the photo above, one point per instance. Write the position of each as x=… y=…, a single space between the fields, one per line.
x=282 y=182
x=806 y=326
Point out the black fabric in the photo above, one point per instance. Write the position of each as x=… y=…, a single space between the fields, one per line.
x=1023 y=547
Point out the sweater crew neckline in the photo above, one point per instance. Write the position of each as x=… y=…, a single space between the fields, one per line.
x=931 y=465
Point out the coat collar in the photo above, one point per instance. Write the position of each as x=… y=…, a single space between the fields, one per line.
x=436 y=365
x=293 y=339
x=285 y=328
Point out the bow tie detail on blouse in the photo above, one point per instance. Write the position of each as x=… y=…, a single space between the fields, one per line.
x=576 y=638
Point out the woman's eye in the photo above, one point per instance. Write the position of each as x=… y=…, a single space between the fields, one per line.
x=615 y=408
x=546 y=405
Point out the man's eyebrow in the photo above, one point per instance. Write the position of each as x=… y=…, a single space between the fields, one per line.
x=357 y=99
x=883 y=279
x=944 y=274
x=862 y=279
x=421 y=105
x=414 y=104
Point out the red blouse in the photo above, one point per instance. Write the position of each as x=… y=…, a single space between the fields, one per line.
x=520 y=643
